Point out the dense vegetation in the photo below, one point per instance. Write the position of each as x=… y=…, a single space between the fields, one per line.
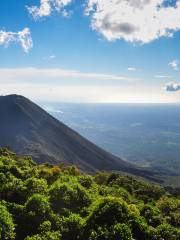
x=44 y=202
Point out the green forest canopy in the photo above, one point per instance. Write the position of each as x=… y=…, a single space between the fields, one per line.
x=45 y=202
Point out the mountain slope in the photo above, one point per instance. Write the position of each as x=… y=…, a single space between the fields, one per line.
x=29 y=130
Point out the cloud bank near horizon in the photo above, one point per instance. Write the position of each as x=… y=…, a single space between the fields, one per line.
x=86 y=94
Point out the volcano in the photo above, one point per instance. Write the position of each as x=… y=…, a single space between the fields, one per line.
x=29 y=130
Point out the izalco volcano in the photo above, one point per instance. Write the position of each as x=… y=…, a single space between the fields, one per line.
x=29 y=130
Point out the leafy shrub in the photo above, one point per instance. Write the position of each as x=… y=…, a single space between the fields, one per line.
x=108 y=211
x=86 y=181
x=36 y=185
x=46 y=236
x=6 y=224
x=166 y=232
x=71 y=227
x=121 y=231
x=65 y=196
x=152 y=215
x=37 y=210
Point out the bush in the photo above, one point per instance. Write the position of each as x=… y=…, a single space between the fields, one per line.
x=165 y=232
x=35 y=185
x=46 y=236
x=121 y=231
x=152 y=215
x=66 y=196
x=6 y=224
x=108 y=211
x=37 y=210
x=71 y=227
x=46 y=233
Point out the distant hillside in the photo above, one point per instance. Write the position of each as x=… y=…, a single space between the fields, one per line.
x=29 y=130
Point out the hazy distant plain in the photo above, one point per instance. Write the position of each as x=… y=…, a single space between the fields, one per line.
x=147 y=134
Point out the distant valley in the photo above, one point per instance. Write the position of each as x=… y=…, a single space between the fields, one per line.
x=145 y=134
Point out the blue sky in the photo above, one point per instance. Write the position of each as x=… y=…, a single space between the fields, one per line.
x=84 y=51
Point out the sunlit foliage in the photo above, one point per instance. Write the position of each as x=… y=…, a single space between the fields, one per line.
x=44 y=202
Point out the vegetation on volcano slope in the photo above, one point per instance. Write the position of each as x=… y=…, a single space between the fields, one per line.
x=44 y=202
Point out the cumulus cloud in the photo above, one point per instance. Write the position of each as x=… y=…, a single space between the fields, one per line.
x=174 y=64
x=172 y=87
x=134 y=20
x=22 y=37
x=47 y=7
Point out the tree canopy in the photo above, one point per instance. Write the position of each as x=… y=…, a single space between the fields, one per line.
x=45 y=202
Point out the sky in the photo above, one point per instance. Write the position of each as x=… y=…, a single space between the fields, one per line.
x=91 y=50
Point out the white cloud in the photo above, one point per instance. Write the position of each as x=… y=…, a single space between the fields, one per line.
x=22 y=37
x=163 y=76
x=134 y=20
x=47 y=7
x=132 y=69
x=52 y=56
x=51 y=109
x=17 y=73
x=172 y=87
x=174 y=64
x=49 y=57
